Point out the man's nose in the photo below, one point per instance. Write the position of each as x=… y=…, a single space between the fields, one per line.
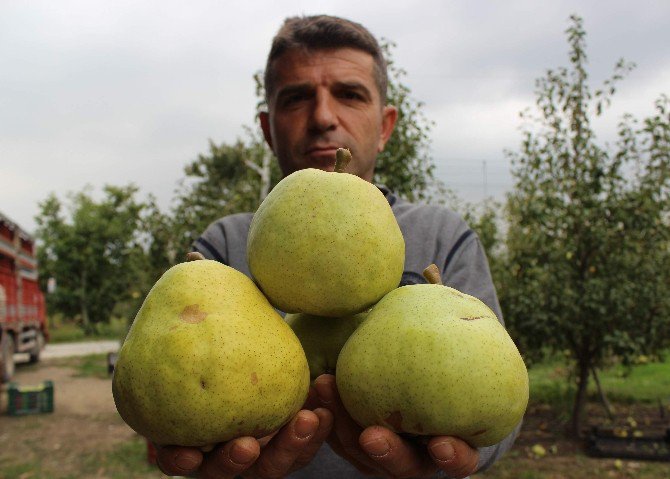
x=324 y=116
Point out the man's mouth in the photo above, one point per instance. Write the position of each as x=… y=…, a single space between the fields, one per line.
x=322 y=151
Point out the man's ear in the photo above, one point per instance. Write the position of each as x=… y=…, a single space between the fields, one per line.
x=389 y=119
x=264 y=118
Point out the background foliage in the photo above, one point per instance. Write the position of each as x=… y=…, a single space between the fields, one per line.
x=93 y=252
x=587 y=245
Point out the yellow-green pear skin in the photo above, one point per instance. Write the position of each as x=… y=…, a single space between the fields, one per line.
x=325 y=243
x=430 y=360
x=322 y=338
x=208 y=359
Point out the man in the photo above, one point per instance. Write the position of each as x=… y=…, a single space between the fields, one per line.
x=325 y=83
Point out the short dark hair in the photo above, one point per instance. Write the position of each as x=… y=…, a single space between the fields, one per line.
x=323 y=32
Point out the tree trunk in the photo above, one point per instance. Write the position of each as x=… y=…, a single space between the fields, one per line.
x=265 y=175
x=580 y=399
x=601 y=394
x=264 y=171
x=85 y=320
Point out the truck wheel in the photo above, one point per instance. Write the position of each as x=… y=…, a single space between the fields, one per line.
x=39 y=345
x=6 y=357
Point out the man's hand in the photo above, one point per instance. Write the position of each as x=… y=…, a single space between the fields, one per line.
x=291 y=448
x=377 y=450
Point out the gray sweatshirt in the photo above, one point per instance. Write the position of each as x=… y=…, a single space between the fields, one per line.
x=433 y=234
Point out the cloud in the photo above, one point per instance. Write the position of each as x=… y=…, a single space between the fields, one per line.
x=95 y=92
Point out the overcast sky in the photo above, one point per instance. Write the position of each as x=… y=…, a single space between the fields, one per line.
x=95 y=92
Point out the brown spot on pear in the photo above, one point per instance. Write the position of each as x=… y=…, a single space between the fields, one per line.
x=191 y=314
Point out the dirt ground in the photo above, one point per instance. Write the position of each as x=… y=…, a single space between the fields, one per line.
x=545 y=450
x=84 y=420
x=85 y=423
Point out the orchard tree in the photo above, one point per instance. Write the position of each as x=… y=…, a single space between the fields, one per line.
x=486 y=219
x=158 y=242
x=228 y=179
x=588 y=241
x=405 y=166
x=91 y=248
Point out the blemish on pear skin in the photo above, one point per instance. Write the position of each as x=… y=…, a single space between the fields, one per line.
x=254 y=378
x=394 y=420
x=192 y=314
x=478 y=433
x=202 y=383
x=472 y=318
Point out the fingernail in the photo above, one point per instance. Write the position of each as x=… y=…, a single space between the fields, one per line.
x=303 y=427
x=241 y=455
x=324 y=390
x=185 y=461
x=377 y=447
x=443 y=451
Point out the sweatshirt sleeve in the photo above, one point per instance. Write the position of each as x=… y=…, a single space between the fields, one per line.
x=225 y=241
x=468 y=271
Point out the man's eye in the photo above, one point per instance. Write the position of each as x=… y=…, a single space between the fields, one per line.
x=294 y=98
x=352 y=95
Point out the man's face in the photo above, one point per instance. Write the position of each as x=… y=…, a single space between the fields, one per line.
x=324 y=100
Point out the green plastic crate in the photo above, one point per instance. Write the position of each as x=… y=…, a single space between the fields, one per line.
x=35 y=399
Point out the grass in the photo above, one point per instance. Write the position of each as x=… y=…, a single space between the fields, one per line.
x=61 y=331
x=127 y=460
x=91 y=365
x=20 y=470
x=647 y=383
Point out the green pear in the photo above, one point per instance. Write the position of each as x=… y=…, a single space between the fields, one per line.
x=430 y=360
x=208 y=359
x=322 y=338
x=325 y=243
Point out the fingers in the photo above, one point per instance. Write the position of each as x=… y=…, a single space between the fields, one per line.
x=317 y=440
x=279 y=456
x=345 y=428
x=454 y=456
x=397 y=457
x=233 y=458
x=401 y=458
x=344 y=440
x=291 y=447
x=178 y=461
x=312 y=401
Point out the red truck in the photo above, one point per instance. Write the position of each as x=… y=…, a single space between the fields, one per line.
x=23 y=325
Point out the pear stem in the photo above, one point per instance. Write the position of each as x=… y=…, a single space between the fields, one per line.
x=432 y=274
x=342 y=159
x=194 y=256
